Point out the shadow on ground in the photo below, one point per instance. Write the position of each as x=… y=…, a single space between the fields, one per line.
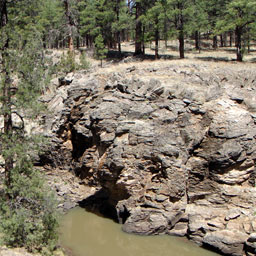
x=115 y=56
x=215 y=59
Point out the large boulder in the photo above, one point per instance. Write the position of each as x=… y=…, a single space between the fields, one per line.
x=173 y=154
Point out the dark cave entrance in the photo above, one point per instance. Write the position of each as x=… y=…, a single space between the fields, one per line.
x=99 y=203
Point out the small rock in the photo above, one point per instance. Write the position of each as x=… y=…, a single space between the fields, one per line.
x=180 y=229
x=252 y=238
x=131 y=69
x=187 y=101
x=69 y=205
x=159 y=91
x=233 y=214
x=65 y=81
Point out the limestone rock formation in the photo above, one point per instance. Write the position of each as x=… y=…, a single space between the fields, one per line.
x=173 y=151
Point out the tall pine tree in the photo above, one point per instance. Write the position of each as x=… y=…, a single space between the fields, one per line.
x=238 y=15
x=27 y=211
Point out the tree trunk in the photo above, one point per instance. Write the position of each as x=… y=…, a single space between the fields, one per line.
x=221 y=41
x=230 y=38
x=138 y=31
x=197 y=40
x=181 y=44
x=248 y=40
x=6 y=92
x=8 y=127
x=249 y=45
x=70 y=23
x=143 y=42
x=77 y=42
x=119 y=42
x=118 y=32
x=156 y=44
x=165 y=30
x=156 y=39
x=225 y=39
x=239 y=54
x=215 y=42
x=181 y=31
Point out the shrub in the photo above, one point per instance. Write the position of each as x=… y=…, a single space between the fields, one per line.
x=84 y=63
x=28 y=211
x=68 y=63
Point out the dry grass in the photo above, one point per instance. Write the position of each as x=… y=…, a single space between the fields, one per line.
x=222 y=54
x=222 y=57
x=208 y=58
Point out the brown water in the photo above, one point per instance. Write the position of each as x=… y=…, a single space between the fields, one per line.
x=87 y=234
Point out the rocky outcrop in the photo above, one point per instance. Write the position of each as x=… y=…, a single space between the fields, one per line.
x=171 y=148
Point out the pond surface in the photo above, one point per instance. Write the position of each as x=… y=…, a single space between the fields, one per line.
x=87 y=234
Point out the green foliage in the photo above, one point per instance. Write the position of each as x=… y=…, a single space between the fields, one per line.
x=240 y=16
x=27 y=206
x=199 y=19
x=28 y=216
x=27 y=209
x=84 y=63
x=238 y=13
x=50 y=20
x=123 y=18
x=181 y=14
x=100 y=50
x=153 y=19
x=96 y=18
x=69 y=64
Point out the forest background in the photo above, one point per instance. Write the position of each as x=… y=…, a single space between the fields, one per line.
x=99 y=23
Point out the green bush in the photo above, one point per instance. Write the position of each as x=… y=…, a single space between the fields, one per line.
x=28 y=211
x=84 y=63
x=68 y=63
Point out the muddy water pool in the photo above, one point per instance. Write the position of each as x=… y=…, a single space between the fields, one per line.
x=87 y=234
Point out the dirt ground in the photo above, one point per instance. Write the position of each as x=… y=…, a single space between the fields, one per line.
x=221 y=55
x=212 y=59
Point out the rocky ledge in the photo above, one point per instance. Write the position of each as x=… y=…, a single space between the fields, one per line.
x=170 y=149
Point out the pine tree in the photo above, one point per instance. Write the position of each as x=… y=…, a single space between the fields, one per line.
x=50 y=21
x=97 y=18
x=139 y=8
x=199 y=22
x=215 y=10
x=181 y=14
x=153 y=20
x=122 y=20
x=26 y=207
x=70 y=24
x=100 y=50
x=238 y=15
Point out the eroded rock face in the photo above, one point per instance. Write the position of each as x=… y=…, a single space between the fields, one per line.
x=174 y=154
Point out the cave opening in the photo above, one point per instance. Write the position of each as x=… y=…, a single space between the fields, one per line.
x=99 y=204
x=80 y=143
